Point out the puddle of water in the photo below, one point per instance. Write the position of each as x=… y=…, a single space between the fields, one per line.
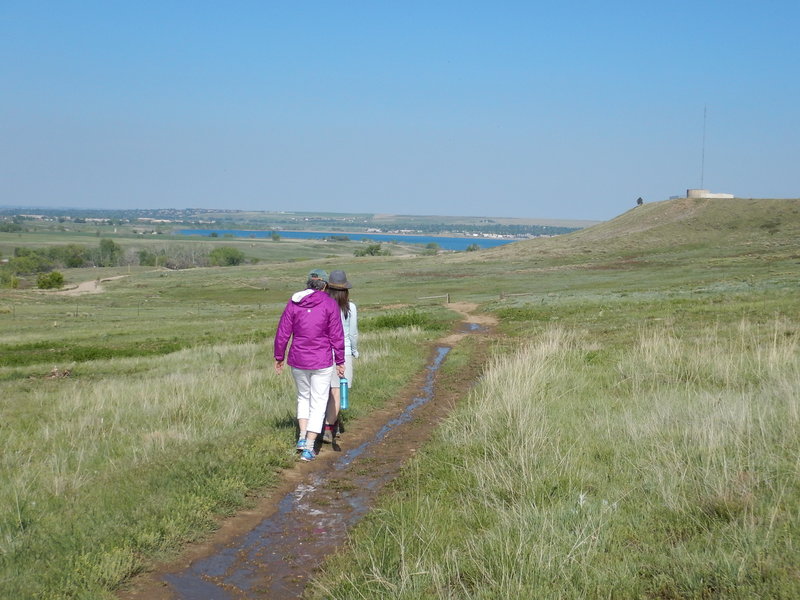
x=276 y=558
x=427 y=393
x=471 y=328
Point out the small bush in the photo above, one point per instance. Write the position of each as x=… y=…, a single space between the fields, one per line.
x=431 y=249
x=226 y=257
x=371 y=250
x=147 y=258
x=8 y=279
x=109 y=253
x=50 y=281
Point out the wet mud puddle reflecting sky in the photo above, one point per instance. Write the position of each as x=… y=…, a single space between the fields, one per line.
x=277 y=557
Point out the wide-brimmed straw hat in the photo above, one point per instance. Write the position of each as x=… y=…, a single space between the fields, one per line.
x=338 y=281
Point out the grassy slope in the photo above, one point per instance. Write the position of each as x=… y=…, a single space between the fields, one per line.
x=725 y=224
x=637 y=437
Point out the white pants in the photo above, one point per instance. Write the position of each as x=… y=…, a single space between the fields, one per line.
x=312 y=395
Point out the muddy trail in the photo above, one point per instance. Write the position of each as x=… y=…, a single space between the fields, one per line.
x=271 y=550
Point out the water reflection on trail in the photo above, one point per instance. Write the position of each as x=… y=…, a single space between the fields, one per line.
x=275 y=559
x=427 y=393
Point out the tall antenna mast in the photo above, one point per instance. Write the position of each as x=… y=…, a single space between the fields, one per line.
x=703 y=155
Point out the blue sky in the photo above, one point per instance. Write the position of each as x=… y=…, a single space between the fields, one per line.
x=562 y=110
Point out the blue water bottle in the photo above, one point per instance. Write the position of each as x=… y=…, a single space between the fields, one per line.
x=343 y=403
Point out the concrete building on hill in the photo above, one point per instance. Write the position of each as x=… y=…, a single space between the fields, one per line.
x=705 y=194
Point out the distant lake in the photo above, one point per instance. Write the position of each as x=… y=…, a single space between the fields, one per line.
x=446 y=243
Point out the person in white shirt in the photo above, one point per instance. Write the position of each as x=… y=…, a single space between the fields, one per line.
x=339 y=289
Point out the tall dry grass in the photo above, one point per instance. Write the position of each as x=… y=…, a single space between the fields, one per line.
x=669 y=470
x=100 y=473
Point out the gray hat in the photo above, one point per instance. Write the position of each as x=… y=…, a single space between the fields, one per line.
x=338 y=281
x=318 y=274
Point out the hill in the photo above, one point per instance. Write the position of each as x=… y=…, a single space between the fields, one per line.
x=727 y=226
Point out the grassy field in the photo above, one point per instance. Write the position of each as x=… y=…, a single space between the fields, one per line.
x=131 y=419
x=636 y=435
x=667 y=468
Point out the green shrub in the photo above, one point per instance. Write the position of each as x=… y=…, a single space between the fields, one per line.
x=8 y=279
x=147 y=258
x=226 y=257
x=50 y=281
x=371 y=250
x=110 y=253
x=27 y=260
x=70 y=256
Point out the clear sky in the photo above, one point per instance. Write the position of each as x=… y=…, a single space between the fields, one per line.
x=539 y=109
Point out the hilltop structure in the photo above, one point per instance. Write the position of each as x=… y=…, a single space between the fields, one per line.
x=697 y=193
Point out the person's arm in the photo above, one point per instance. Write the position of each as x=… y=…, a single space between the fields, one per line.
x=282 y=335
x=353 y=330
x=336 y=333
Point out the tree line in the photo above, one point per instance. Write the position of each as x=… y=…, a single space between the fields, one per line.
x=37 y=261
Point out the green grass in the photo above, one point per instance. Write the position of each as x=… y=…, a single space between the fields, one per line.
x=664 y=468
x=171 y=416
x=102 y=472
x=404 y=318
x=639 y=440
x=635 y=435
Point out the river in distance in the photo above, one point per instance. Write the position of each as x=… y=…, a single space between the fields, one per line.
x=446 y=243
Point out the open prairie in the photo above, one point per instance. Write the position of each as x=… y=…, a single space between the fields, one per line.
x=634 y=434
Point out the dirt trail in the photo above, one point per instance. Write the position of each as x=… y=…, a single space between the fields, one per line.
x=473 y=322
x=88 y=287
x=272 y=550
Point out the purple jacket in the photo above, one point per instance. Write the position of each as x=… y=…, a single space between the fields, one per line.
x=312 y=320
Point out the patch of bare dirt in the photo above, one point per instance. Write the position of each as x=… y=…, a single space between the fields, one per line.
x=88 y=287
x=467 y=310
x=55 y=373
x=271 y=550
x=471 y=321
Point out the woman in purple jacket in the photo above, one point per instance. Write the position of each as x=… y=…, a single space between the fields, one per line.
x=311 y=318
